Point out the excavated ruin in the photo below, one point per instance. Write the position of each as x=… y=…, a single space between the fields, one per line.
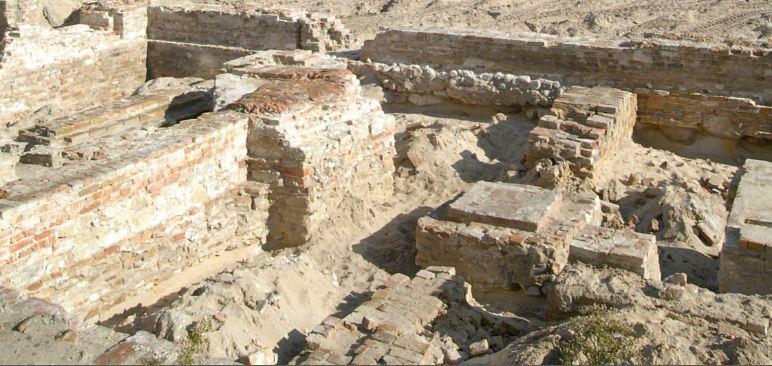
x=184 y=184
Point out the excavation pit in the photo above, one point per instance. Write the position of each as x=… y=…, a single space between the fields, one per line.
x=202 y=172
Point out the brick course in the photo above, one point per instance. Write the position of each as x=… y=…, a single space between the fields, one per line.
x=92 y=233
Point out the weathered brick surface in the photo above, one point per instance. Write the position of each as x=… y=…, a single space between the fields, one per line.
x=584 y=128
x=505 y=205
x=661 y=64
x=166 y=106
x=92 y=233
x=69 y=68
x=524 y=257
x=387 y=328
x=625 y=249
x=324 y=149
x=747 y=251
x=720 y=116
x=178 y=47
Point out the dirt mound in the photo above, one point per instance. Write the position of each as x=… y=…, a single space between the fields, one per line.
x=671 y=323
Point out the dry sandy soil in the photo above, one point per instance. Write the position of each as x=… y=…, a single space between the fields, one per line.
x=747 y=19
x=724 y=18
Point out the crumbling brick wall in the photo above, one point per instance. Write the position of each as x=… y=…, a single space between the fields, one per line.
x=197 y=40
x=724 y=117
x=682 y=84
x=70 y=68
x=582 y=131
x=92 y=233
x=665 y=65
x=325 y=150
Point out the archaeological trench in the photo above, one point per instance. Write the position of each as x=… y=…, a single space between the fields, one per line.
x=202 y=184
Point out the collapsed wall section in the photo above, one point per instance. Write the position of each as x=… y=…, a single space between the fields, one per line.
x=70 y=68
x=324 y=149
x=198 y=40
x=93 y=233
x=710 y=88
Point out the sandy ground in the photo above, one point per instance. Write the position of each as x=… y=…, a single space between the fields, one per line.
x=725 y=19
x=748 y=19
x=270 y=301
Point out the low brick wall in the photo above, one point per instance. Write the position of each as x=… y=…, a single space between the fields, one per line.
x=666 y=65
x=69 y=68
x=93 y=233
x=197 y=40
x=582 y=131
x=718 y=116
x=709 y=88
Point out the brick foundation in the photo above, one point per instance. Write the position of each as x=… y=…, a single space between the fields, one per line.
x=178 y=47
x=70 y=68
x=324 y=149
x=747 y=252
x=95 y=232
x=584 y=128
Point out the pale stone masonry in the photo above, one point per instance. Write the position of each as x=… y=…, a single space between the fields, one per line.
x=94 y=232
x=660 y=64
x=426 y=84
x=70 y=68
x=500 y=235
x=710 y=88
x=177 y=46
x=746 y=256
x=325 y=150
x=583 y=130
x=505 y=235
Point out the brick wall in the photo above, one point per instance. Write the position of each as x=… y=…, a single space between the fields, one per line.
x=325 y=150
x=197 y=40
x=665 y=65
x=583 y=130
x=70 y=68
x=725 y=117
x=92 y=233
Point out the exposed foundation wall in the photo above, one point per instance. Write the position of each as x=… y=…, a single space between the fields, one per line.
x=682 y=84
x=197 y=40
x=325 y=150
x=666 y=65
x=723 y=117
x=90 y=234
x=339 y=164
x=747 y=252
x=70 y=68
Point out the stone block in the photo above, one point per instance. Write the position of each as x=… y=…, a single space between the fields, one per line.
x=747 y=249
x=624 y=249
x=508 y=205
